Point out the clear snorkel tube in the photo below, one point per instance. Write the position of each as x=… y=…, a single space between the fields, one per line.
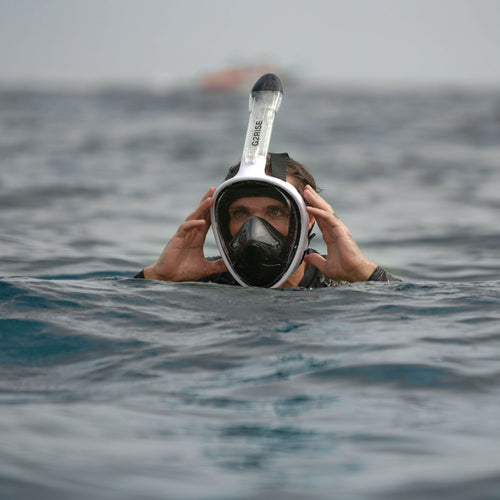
x=264 y=102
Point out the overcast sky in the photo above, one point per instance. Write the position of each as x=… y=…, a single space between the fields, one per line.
x=341 y=40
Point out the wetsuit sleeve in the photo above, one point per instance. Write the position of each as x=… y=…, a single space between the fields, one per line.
x=140 y=275
x=381 y=274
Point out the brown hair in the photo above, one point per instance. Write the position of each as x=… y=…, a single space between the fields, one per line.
x=293 y=168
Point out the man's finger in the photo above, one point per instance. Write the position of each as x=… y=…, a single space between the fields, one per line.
x=209 y=193
x=202 y=211
x=188 y=225
x=324 y=217
x=216 y=266
x=316 y=260
x=315 y=200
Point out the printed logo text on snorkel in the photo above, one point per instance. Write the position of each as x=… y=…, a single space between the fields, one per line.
x=256 y=133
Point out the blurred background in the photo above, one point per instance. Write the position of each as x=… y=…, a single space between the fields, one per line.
x=116 y=116
x=159 y=42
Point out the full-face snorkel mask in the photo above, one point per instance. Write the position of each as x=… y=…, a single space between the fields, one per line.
x=259 y=249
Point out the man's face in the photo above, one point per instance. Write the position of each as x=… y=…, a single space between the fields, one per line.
x=273 y=211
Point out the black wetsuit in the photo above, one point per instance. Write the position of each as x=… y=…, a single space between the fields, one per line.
x=313 y=278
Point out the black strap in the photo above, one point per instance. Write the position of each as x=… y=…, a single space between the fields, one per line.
x=278 y=165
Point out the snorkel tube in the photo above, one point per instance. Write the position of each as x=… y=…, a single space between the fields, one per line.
x=264 y=101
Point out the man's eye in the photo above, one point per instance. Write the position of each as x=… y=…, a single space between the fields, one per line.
x=277 y=212
x=238 y=214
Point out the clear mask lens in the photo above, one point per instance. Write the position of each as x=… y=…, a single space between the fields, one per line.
x=260 y=228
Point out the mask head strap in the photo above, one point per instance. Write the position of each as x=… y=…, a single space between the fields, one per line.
x=278 y=165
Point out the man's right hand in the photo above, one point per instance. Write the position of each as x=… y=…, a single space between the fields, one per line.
x=344 y=260
x=183 y=259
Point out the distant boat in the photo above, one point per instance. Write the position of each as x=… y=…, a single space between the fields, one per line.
x=236 y=77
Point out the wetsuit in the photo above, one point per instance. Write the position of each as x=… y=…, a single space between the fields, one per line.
x=313 y=278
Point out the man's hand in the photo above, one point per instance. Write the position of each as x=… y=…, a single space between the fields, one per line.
x=183 y=258
x=344 y=261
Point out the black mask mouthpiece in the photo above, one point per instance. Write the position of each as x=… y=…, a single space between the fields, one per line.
x=259 y=252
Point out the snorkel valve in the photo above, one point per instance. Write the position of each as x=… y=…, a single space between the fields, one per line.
x=264 y=101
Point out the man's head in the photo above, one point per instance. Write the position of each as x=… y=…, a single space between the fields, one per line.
x=264 y=203
x=260 y=220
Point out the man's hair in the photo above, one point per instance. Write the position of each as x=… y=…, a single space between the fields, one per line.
x=293 y=168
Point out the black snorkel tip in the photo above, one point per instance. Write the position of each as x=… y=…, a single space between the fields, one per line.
x=269 y=81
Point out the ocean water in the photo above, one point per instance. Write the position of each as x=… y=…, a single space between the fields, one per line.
x=117 y=388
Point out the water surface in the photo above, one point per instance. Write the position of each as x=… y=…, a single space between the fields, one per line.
x=112 y=387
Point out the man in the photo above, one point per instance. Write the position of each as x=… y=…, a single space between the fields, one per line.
x=259 y=212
